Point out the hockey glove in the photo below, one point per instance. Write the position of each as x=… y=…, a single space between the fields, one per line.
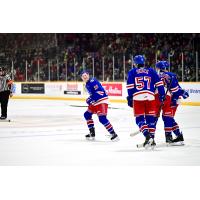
x=130 y=101
x=90 y=101
x=185 y=94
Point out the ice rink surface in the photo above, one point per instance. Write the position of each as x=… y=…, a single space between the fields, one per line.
x=49 y=132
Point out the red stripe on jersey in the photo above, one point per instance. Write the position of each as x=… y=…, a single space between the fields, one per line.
x=130 y=86
x=159 y=83
x=175 y=89
x=100 y=93
x=143 y=92
x=101 y=100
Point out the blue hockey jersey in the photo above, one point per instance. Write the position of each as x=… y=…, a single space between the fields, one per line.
x=170 y=81
x=97 y=93
x=142 y=82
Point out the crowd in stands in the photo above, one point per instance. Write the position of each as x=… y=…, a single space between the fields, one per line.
x=61 y=56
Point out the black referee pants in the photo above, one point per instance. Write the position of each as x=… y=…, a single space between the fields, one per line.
x=4 y=96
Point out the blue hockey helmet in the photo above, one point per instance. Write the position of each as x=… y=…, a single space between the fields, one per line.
x=166 y=64
x=161 y=65
x=83 y=72
x=139 y=59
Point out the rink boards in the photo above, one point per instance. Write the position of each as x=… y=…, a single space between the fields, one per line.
x=75 y=91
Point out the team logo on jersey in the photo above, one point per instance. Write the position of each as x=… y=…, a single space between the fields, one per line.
x=96 y=87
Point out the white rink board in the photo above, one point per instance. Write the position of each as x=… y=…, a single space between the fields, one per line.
x=56 y=90
x=44 y=132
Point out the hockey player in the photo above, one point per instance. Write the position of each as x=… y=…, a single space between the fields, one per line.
x=141 y=85
x=97 y=104
x=171 y=102
x=5 y=91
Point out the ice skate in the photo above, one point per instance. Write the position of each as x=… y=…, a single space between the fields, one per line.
x=91 y=135
x=179 y=140
x=3 y=118
x=114 y=137
x=169 y=139
x=149 y=142
x=153 y=144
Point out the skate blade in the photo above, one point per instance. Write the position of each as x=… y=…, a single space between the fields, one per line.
x=177 y=144
x=90 y=139
x=116 y=139
x=148 y=147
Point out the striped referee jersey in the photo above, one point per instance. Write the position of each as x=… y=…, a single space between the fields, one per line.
x=5 y=83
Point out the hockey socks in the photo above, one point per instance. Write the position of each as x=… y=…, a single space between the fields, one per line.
x=88 y=118
x=175 y=128
x=103 y=120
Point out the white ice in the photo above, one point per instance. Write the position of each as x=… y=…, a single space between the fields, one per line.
x=49 y=132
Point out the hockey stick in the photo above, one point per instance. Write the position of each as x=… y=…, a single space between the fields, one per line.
x=80 y=106
x=134 y=133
